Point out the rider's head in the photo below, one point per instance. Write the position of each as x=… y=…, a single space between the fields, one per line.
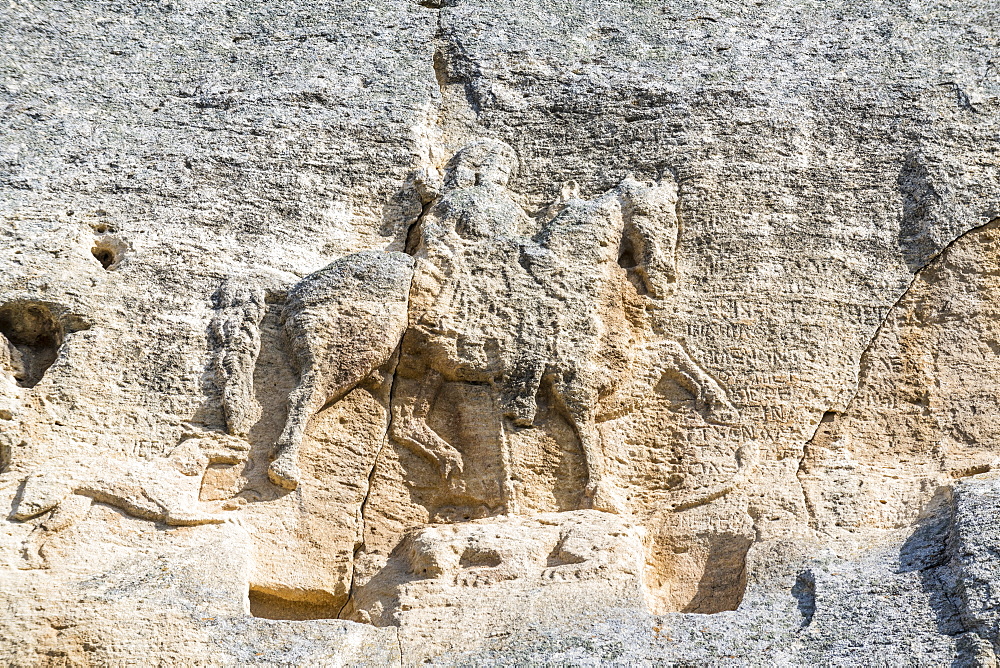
x=481 y=163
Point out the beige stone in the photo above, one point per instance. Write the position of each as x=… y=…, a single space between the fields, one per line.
x=399 y=332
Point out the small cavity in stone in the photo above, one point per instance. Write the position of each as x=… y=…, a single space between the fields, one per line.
x=108 y=251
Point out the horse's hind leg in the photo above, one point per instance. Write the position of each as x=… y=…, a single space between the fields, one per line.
x=304 y=401
x=330 y=366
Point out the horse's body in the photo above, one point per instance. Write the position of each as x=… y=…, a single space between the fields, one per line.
x=341 y=323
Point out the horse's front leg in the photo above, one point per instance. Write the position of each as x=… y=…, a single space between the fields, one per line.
x=709 y=395
x=579 y=407
x=521 y=402
x=600 y=493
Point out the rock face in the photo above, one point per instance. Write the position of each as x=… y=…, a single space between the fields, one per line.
x=397 y=332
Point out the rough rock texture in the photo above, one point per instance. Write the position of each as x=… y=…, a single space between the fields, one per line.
x=466 y=332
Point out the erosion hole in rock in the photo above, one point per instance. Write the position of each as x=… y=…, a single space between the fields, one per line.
x=108 y=251
x=626 y=255
x=104 y=256
x=33 y=336
x=101 y=228
x=297 y=605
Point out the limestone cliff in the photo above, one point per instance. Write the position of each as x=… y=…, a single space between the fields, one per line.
x=461 y=332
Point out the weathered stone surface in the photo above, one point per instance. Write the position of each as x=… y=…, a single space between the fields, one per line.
x=465 y=332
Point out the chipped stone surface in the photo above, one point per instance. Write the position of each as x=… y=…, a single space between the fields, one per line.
x=394 y=332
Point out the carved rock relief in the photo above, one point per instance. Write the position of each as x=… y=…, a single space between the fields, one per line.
x=492 y=558
x=463 y=319
x=164 y=489
x=494 y=331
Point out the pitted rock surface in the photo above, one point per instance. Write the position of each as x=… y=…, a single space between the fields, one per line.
x=460 y=332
